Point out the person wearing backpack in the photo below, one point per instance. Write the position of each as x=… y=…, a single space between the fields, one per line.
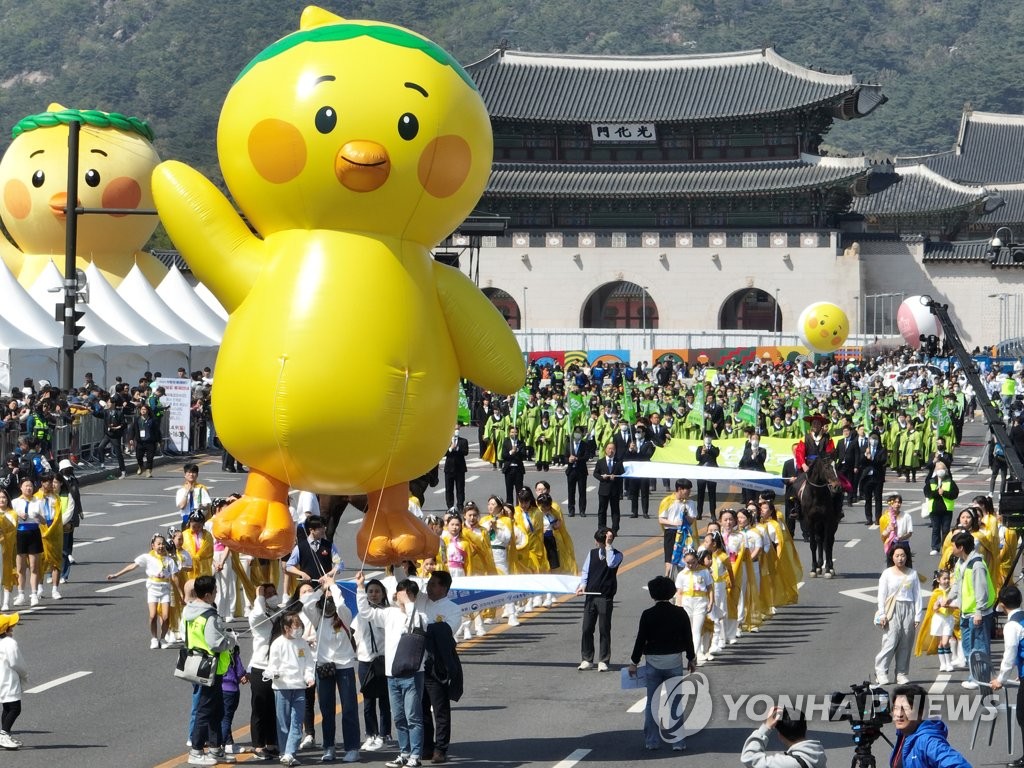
x=974 y=593
x=405 y=690
x=1012 y=664
x=996 y=463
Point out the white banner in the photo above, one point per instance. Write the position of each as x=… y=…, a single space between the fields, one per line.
x=177 y=401
x=745 y=478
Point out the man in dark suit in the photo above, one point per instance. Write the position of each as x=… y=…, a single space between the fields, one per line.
x=581 y=450
x=640 y=449
x=455 y=473
x=873 y=464
x=512 y=453
x=753 y=458
x=714 y=416
x=848 y=456
x=707 y=456
x=659 y=436
x=609 y=471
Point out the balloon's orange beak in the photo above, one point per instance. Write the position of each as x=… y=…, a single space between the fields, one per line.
x=362 y=166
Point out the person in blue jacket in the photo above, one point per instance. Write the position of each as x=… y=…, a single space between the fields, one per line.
x=920 y=742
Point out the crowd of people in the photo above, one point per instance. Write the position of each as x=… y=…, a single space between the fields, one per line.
x=726 y=568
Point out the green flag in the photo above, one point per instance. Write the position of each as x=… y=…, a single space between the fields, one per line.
x=696 y=414
x=628 y=407
x=464 y=413
x=939 y=413
x=522 y=396
x=576 y=407
x=864 y=416
x=750 y=408
x=801 y=406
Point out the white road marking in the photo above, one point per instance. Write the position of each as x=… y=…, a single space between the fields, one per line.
x=173 y=488
x=800 y=585
x=867 y=594
x=131 y=503
x=638 y=707
x=852 y=543
x=94 y=541
x=574 y=757
x=439 y=490
x=940 y=683
x=59 y=681
x=471 y=478
x=591 y=488
x=116 y=587
x=94 y=514
x=145 y=519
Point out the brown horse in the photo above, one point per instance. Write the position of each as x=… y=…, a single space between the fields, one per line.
x=817 y=492
x=332 y=507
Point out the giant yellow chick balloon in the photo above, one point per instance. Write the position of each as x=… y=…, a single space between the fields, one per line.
x=823 y=327
x=116 y=161
x=352 y=147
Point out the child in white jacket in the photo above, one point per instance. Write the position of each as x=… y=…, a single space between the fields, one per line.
x=13 y=675
x=290 y=669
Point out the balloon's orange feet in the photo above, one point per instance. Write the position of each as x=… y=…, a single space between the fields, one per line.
x=259 y=523
x=390 y=533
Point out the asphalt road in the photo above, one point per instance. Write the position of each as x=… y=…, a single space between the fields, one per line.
x=99 y=697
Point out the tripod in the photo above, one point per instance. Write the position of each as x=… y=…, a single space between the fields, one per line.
x=865 y=733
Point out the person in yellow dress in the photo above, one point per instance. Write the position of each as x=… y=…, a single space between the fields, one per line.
x=721 y=576
x=198 y=543
x=8 y=549
x=506 y=539
x=52 y=529
x=741 y=596
x=786 y=568
x=935 y=635
x=482 y=557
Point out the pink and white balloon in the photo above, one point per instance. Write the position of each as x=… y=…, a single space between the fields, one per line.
x=915 y=320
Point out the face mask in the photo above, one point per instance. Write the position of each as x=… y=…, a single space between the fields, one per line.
x=577 y=435
x=873 y=442
x=754 y=443
x=707 y=442
x=274 y=602
x=638 y=435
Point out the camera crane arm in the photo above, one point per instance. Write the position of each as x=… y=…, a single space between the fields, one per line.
x=992 y=417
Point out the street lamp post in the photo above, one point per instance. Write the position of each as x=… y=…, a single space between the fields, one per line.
x=1002 y=311
x=643 y=309
x=523 y=317
x=776 y=320
x=1004 y=239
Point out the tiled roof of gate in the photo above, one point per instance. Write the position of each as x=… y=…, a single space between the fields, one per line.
x=989 y=150
x=961 y=250
x=684 y=88
x=689 y=180
x=922 y=191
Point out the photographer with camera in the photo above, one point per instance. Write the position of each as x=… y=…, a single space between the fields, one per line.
x=920 y=743
x=791 y=726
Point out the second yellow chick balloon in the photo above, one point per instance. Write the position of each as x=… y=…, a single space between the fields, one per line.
x=823 y=327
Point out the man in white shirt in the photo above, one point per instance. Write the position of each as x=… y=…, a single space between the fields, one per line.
x=1013 y=633
x=406 y=692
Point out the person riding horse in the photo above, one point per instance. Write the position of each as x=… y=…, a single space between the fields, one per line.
x=819 y=493
x=816 y=443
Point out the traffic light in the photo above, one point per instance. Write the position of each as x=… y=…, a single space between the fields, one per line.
x=71 y=340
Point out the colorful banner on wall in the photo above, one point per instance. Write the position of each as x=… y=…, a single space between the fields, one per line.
x=608 y=356
x=548 y=358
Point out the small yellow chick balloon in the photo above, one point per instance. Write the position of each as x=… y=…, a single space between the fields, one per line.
x=116 y=161
x=352 y=147
x=823 y=327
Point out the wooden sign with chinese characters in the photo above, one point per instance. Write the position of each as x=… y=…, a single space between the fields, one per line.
x=623 y=132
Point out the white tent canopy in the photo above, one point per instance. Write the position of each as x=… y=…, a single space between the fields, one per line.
x=116 y=311
x=182 y=299
x=211 y=301
x=136 y=290
x=30 y=317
